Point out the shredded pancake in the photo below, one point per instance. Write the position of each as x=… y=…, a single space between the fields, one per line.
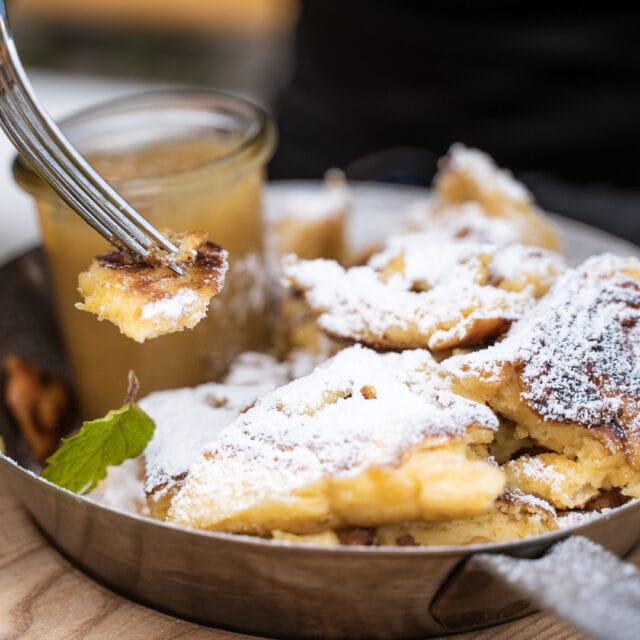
x=474 y=199
x=568 y=377
x=309 y=224
x=146 y=301
x=351 y=444
x=421 y=293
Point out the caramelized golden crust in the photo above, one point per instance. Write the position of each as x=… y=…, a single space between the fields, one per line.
x=146 y=301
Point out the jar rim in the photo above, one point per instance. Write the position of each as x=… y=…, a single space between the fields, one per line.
x=255 y=145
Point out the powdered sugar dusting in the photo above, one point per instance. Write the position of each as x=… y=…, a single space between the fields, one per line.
x=579 y=353
x=483 y=171
x=573 y=518
x=534 y=468
x=123 y=488
x=172 y=307
x=534 y=503
x=188 y=420
x=466 y=220
x=441 y=292
x=353 y=412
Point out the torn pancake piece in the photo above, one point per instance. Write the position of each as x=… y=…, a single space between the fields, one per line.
x=307 y=222
x=146 y=301
x=424 y=293
x=476 y=199
x=568 y=376
x=348 y=445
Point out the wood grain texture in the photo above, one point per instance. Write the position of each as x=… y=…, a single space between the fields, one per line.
x=43 y=596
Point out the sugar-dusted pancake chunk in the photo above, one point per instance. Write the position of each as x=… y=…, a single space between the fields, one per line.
x=361 y=441
x=424 y=293
x=477 y=200
x=146 y=301
x=307 y=222
x=568 y=376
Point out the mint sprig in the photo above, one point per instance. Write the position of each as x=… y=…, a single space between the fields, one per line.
x=82 y=460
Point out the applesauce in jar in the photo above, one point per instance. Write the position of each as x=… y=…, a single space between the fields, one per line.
x=188 y=161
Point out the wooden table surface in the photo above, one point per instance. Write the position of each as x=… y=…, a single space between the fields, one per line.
x=43 y=596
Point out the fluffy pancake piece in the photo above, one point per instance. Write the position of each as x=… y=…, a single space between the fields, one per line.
x=569 y=377
x=475 y=199
x=420 y=292
x=358 y=442
x=516 y=515
x=307 y=223
x=146 y=301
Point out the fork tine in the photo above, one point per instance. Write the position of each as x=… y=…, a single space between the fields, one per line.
x=36 y=152
x=66 y=172
x=61 y=165
x=29 y=116
x=110 y=200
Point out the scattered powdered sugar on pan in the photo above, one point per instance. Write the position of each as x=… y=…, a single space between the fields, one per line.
x=189 y=419
x=255 y=367
x=578 y=355
x=353 y=412
x=573 y=518
x=123 y=488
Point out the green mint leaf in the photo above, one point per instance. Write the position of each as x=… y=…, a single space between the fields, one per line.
x=82 y=460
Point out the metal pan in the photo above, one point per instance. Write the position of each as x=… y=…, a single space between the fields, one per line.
x=292 y=590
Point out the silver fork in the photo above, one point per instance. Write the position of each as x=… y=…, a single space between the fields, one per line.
x=36 y=136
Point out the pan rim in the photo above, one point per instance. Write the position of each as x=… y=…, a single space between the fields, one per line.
x=385 y=551
x=566 y=226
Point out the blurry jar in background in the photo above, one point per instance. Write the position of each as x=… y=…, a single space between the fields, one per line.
x=187 y=160
x=241 y=46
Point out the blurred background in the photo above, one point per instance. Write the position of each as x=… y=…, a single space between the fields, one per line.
x=381 y=88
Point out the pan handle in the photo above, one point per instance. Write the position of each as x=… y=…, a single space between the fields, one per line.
x=581 y=582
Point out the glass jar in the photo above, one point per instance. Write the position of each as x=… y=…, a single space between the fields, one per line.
x=187 y=160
